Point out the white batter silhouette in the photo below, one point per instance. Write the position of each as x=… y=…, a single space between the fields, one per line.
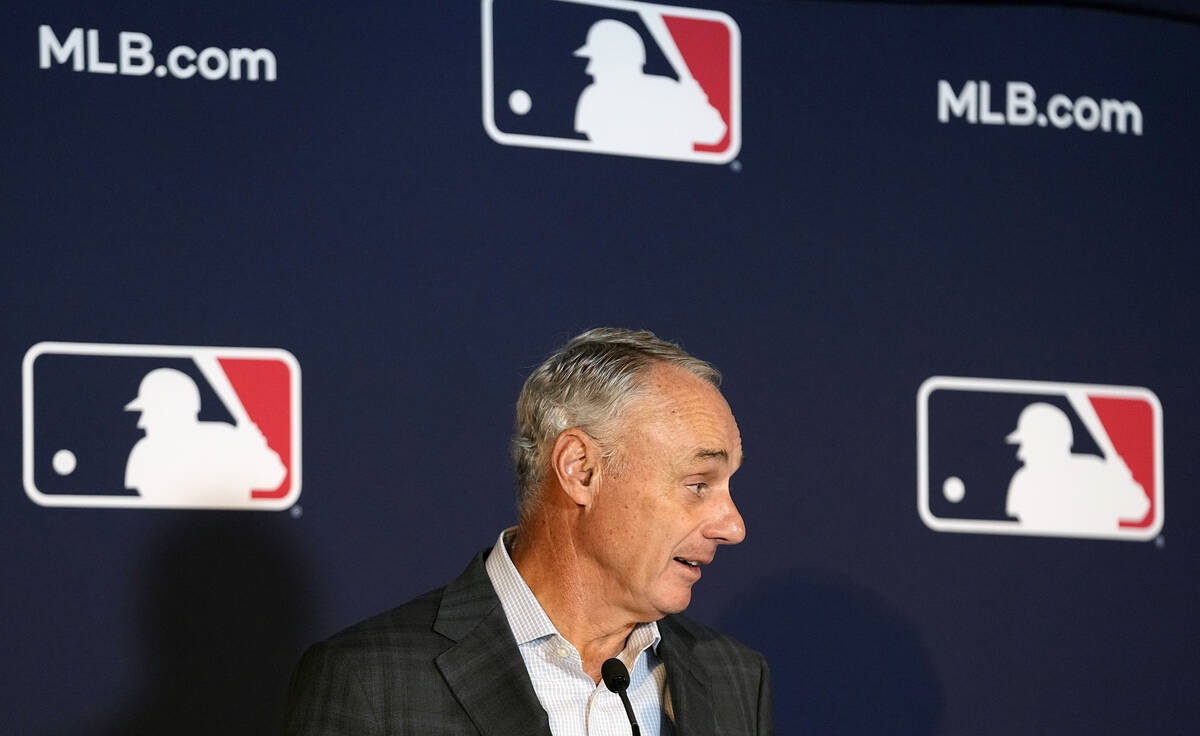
x=628 y=111
x=183 y=461
x=1059 y=491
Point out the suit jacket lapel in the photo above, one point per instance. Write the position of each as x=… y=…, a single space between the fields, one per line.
x=484 y=668
x=686 y=679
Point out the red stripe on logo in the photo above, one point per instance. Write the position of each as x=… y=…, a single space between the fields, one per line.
x=1130 y=425
x=704 y=45
x=263 y=386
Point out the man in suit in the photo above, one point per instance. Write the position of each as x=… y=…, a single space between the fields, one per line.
x=624 y=452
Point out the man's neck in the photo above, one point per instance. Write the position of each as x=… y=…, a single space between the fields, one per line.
x=546 y=557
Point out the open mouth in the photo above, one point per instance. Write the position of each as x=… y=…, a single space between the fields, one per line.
x=689 y=563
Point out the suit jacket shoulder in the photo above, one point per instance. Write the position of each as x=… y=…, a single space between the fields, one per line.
x=350 y=682
x=443 y=663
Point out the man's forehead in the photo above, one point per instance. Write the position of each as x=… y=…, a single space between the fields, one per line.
x=685 y=398
x=685 y=409
x=667 y=383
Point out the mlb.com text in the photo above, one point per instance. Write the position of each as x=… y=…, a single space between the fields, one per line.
x=134 y=57
x=973 y=102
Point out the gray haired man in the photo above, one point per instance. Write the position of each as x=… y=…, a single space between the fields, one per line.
x=624 y=453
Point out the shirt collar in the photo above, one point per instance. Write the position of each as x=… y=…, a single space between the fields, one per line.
x=526 y=617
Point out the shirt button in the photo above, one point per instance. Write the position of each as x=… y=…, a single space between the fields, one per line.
x=562 y=652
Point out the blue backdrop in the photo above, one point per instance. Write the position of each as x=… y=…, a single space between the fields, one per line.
x=350 y=207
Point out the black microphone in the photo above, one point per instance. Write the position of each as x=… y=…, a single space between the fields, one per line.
x=616 y=679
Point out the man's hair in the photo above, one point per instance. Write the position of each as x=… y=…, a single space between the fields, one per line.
x=588 y=383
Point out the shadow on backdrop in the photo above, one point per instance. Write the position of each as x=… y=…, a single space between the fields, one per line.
x=224 y=609
x=842 y=660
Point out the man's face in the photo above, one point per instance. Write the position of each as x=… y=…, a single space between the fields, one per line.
x=653 y=527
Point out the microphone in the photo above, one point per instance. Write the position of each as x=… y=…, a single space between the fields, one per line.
x=616 y=679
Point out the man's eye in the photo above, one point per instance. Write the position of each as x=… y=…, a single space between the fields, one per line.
x=699 y=489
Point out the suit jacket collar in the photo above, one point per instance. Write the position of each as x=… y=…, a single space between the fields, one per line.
x=485 y=671
x=687 y=678
x=484 y=668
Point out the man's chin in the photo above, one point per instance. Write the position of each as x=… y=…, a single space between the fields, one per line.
x=676 y=603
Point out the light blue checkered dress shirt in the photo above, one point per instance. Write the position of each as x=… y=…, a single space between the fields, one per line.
x=576 y=705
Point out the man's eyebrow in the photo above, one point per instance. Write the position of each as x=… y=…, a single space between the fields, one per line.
x=706 y=453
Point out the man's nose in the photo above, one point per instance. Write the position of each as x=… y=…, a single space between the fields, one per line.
x=726 y=526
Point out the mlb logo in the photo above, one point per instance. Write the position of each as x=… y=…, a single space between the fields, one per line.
x=1039 y=458
x=156 y=426
x=612 y=76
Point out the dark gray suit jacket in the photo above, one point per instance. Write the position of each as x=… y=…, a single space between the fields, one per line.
x=446 y=663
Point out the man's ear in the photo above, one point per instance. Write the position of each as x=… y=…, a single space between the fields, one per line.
x=575 y=458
